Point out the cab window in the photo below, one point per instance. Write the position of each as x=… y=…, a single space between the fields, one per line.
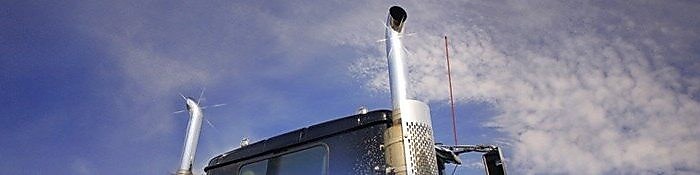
x=311 y=161
x=256 y=168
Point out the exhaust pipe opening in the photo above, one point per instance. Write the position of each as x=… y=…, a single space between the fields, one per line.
x=397 y=16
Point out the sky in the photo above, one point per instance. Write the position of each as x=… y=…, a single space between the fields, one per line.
x=564 y=87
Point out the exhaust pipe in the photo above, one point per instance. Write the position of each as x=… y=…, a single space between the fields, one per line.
x=398 y=75
x=408 y=142
x=193 y=128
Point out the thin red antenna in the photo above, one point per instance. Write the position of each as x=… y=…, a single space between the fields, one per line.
x=452 y=102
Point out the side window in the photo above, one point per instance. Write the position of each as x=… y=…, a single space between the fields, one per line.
x=256 y=168
x=312 y=161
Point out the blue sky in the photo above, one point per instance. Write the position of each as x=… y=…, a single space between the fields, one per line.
x=594 y=87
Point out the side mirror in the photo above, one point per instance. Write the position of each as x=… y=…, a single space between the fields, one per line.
x=494 y=163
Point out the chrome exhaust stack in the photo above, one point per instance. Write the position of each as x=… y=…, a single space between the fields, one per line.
x=408 y=142
x=398 y=73
x=193 y=128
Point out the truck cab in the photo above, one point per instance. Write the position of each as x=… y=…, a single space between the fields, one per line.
x=348 y=145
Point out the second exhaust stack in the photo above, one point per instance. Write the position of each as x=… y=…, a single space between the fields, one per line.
x=408 y=142
x=398 y=75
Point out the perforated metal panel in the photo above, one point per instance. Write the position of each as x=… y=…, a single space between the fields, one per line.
x=418 y=143
x=421 y=149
